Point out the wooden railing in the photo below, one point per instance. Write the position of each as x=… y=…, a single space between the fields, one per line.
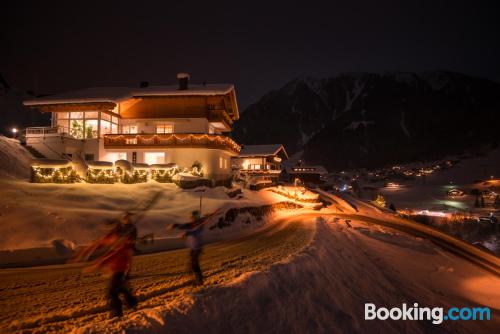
x=170 y=140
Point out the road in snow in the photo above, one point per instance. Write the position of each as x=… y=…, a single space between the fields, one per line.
x=257 y=285
x=62 y=298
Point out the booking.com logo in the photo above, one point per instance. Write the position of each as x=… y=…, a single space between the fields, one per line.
x=436 y=314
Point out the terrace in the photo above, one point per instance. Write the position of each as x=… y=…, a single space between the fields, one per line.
x=45 y=130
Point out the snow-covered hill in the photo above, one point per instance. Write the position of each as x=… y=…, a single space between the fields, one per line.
x=34 y=215
x=14 y=159
x=373 y=119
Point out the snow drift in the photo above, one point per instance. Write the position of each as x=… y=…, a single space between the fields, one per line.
x=15 y=161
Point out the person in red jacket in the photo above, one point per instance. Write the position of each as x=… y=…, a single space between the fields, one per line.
x=118 y=247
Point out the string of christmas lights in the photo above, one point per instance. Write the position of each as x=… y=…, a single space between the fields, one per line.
x=172 y=139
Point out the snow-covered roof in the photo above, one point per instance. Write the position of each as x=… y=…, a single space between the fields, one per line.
x=164 y=166
x=51 y=163
x=119 y=94
x=318 y=169
x=261 y=150
x=100 y=164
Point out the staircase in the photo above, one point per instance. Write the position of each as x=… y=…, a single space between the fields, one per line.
x=34 y=152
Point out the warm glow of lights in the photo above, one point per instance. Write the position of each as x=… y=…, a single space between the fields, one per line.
x=431 y=213
x=183 y=139
x=245 y=164
x=481 y=289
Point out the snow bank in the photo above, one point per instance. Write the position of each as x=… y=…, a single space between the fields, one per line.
x=33 y=215
x=15 y=161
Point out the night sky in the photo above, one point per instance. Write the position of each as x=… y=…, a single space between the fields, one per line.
x=50 y=46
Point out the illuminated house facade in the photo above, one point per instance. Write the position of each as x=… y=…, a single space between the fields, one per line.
x=260 y=160
x=182 y=124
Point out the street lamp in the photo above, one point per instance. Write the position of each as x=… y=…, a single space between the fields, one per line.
x=14 y=132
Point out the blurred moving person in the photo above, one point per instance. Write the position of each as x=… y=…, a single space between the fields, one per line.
x=116 y=249
x=194 y=241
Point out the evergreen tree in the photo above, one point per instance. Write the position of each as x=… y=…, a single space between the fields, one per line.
x=482 y=202
x=380 y=201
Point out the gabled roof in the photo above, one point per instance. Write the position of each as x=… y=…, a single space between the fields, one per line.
x=261 y=150
x=119 y=94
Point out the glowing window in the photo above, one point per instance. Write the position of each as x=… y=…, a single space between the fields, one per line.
x=152 y=158
x=164 y=128
x=114 y=156
x=63 y=125
x=105 y=127
x=91 y=114
x=76 y=129
x=129 y=128
x=91 y=128
x=62 y=115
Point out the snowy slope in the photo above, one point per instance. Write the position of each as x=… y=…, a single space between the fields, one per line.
x=78 y=212
x=14 y=159
x=324 y=288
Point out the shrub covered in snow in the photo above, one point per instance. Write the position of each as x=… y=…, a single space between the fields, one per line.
x=188 y=181
x=163 y=173
x=100 y=172
x=258 y=212
x=53 y=175
x=136 y=176
x=103 y=176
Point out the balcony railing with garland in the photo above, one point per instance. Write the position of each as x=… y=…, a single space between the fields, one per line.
x=170 y=140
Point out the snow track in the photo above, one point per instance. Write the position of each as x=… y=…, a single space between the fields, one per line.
x=301 y=275
x=375 y=215
x=323 y=289
x=62 y=298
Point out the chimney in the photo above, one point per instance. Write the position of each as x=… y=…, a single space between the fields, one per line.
x=144 y=84
x=183 y=80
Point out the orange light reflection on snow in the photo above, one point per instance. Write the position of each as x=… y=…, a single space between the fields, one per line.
x=482 y=290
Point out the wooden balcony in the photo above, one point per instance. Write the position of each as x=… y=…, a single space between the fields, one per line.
x=220 y=115
x=170 y=140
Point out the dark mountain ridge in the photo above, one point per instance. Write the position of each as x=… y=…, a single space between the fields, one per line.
x=357 y=120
